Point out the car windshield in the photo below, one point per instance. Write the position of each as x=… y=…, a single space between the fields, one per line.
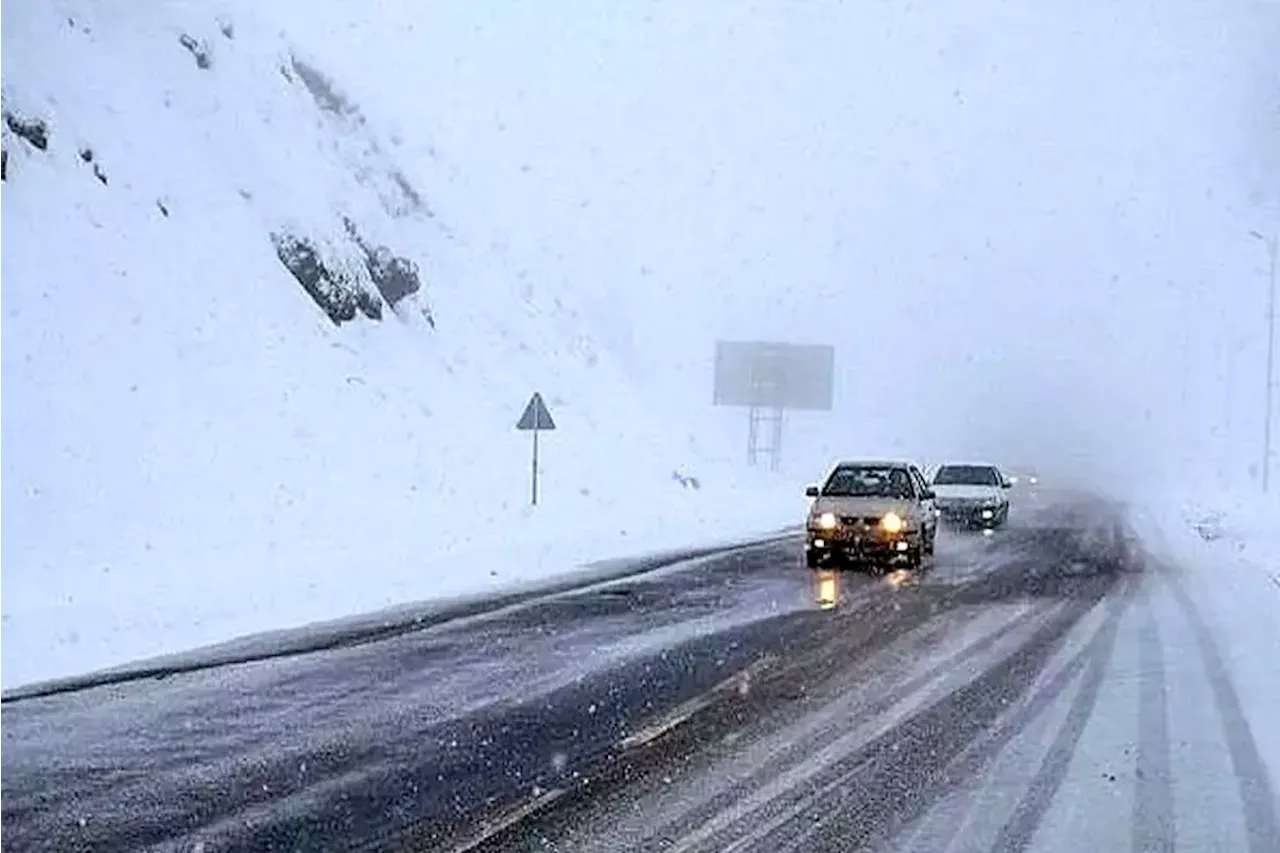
x=869 y=481
x=967 y=475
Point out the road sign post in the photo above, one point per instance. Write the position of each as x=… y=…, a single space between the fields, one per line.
x=535 y=419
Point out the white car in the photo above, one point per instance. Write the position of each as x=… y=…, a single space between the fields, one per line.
x=970 y=494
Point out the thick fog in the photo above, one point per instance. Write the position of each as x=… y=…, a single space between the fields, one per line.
x=1024 y=227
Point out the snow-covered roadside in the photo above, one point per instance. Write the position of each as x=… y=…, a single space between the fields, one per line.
x=199 y=446
x=1225 y=552
x=102 y=624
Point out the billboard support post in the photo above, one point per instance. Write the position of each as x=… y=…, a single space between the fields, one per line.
x=768 y=379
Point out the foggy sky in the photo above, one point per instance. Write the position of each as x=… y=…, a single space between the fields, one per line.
x=1025 y=229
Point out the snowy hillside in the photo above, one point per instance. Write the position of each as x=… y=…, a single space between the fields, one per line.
x=192 y=437
x=279 y=279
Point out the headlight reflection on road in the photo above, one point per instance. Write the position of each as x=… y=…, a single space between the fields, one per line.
x=826 y=589
x=899 y=578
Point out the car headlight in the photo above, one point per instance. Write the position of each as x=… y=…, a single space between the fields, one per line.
x=827 y=521
x=892 y=523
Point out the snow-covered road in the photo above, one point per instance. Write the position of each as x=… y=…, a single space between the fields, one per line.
x=1070 y=697
x=1059 y=686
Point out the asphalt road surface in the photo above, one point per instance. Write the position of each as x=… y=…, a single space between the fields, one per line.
x=1046 y=688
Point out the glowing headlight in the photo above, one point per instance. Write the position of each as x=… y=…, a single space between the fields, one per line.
x=892 y=523
x=827 y=521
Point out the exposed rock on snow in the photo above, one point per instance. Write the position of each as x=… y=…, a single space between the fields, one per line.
x=395 y=277
x=338 y=293
x=34 y=131
x=199 y=49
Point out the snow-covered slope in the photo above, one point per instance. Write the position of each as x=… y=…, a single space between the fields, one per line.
x=192 y=447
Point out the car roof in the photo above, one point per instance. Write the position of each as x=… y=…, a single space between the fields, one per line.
x=875 y=463
x=968 y=465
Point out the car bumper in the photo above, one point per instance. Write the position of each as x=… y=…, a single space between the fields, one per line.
x=862 y=546
x=973 y=515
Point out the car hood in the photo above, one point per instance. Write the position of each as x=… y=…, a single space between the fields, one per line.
x=862 y=506
x=966 y=492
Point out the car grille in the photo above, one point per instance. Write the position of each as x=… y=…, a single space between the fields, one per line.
x=855 y=520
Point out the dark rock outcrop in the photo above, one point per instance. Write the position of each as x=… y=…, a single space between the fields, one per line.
x=395 y=276
x=339 y=294
x=33 y=130
x=688 y=481
x=199 y=49
x=87 y=156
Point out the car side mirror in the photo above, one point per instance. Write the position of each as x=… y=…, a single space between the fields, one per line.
x=811 y=491
x=930 y=494
x=1006 y=485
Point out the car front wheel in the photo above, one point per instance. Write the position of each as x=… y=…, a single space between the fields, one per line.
x=915 y=557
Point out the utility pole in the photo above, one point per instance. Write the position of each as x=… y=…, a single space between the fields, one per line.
x=1273 y=248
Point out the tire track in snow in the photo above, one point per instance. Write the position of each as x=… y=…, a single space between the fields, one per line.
x=840 y=791
x=795 y=759
x=1019 y=831
x=1043 y=695
x=1154 y=826
x=1257 y=797
x=904 y=772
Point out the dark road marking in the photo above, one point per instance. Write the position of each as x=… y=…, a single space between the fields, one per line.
x=688 y=710
x=1256 y=794
x=502 y=824
x=1154 y=828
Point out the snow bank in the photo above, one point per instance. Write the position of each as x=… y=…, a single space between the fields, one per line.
x=225 y=415
x=52 y=631
x=1239 y=533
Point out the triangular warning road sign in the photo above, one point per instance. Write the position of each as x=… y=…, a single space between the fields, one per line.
x=536 y=415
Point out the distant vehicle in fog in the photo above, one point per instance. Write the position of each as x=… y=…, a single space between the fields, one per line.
x=871 y=513
x=972 y=495
x=1022 y=475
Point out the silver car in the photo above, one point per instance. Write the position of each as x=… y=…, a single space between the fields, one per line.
x=972 y=494
x=871 y=512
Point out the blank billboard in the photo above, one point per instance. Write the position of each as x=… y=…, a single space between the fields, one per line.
x=765 y=374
